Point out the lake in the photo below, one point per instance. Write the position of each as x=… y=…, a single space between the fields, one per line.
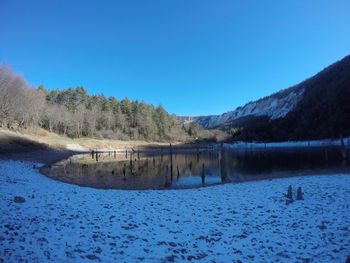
x=179 y=168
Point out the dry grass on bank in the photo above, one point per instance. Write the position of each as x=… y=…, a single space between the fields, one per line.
x=37 y=138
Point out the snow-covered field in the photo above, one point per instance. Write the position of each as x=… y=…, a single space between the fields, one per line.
x=246 y=222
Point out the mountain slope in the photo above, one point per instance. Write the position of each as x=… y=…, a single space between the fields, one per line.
x=274 y=106
x=323 y=110
x=277 y=105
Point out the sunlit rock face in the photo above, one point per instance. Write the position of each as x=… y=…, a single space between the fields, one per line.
x=274 y=106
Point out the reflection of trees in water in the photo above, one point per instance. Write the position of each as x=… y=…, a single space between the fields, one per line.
x=165 y=167
x=159 y=170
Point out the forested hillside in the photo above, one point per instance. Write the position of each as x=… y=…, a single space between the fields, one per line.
x=323 y=111
x=75 y=113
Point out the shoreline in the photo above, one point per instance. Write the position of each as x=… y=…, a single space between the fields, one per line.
x=46 y=157
x=265 y=177
x=345 y=142
x=48 y=148
x=49 y=157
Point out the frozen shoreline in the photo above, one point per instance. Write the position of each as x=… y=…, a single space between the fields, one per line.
x=312 y=143
x=246 y=222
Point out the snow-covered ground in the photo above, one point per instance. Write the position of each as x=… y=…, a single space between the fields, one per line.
x=311 y=143
x=246 y=222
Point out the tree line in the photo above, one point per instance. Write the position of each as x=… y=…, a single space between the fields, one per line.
x=75 y=113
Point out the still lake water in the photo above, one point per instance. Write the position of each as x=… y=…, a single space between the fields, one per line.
x=194 y=168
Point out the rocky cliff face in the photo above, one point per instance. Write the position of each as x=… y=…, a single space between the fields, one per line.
x=274 y=106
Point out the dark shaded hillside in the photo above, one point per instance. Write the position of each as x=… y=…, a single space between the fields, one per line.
x=242 y=122
x=323 y=111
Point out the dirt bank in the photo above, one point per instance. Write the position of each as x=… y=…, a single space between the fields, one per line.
x=41 y=146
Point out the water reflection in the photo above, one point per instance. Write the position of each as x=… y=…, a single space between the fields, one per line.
x=178 y=169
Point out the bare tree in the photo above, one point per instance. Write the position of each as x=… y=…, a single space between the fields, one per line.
x=51 y=117
x=78 y=120
x=18 y=103
x=91 y=116
x=65 y=120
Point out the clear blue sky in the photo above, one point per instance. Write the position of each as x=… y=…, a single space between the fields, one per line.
x=195 y=57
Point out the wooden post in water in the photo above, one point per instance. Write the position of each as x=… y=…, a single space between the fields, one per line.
x=124 y=172
x=171 y=162
x=115 y=154
x=96 y=156
x=171 y=175
x=167 y=183
x=203 y=174
x=92 y=154
x=126 y=154
x=178 y=173
x=138 y=155
x=131 y=168
x=223 y=171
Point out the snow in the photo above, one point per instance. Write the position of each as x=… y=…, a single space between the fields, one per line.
x=272 y=106
x=246 y=222
x=311 y=143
